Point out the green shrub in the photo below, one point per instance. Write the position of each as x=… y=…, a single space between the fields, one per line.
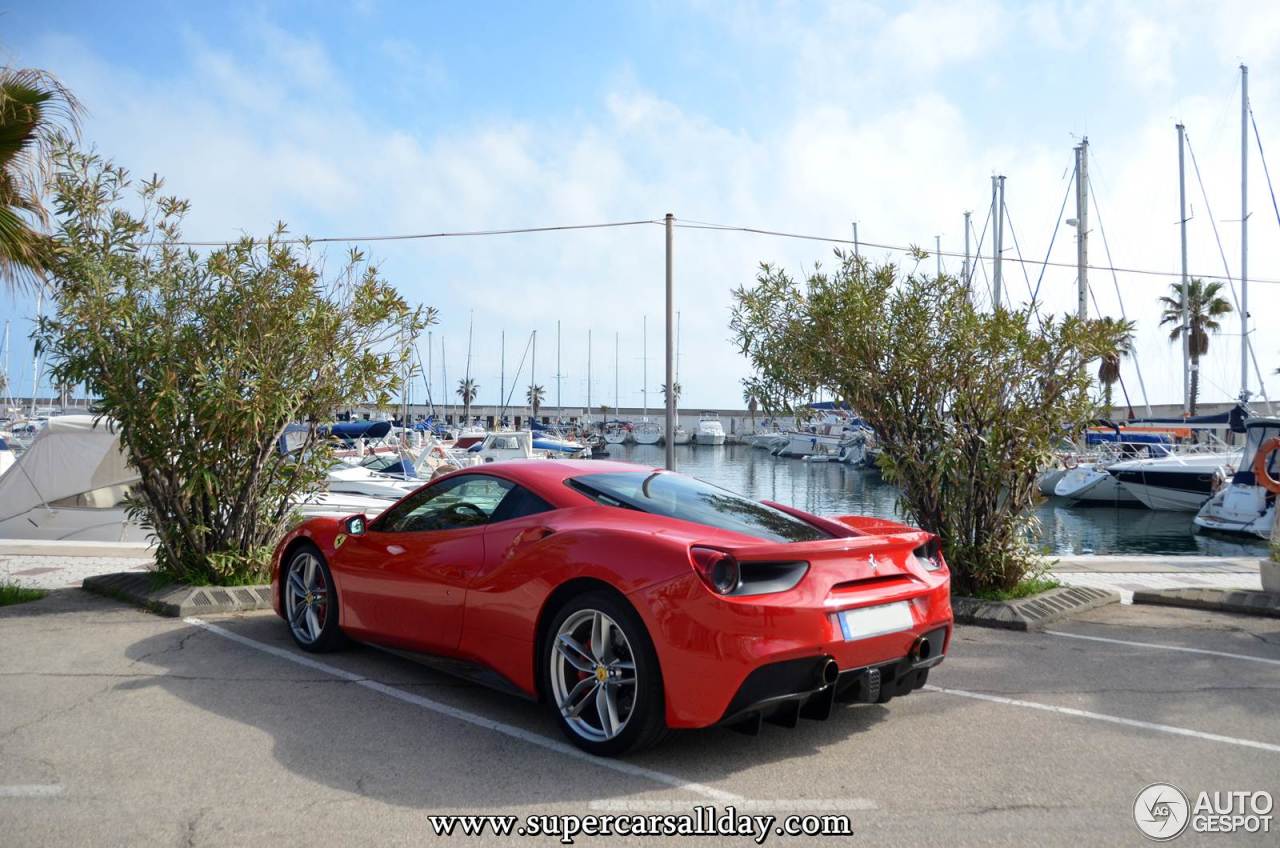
x=202 y=359
x=967 y=405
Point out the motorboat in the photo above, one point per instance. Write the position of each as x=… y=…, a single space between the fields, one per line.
x=1091 y=484
x=496 y=447
x=1242 y=506
x=359 y=480
x=73 y=481
x=681 y=436
x=710 y=431
x=1181 y=482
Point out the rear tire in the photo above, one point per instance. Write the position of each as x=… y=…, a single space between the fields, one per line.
x=310 y=601
x=600 y=674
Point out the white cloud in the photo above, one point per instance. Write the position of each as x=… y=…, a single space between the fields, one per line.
x=281 y=137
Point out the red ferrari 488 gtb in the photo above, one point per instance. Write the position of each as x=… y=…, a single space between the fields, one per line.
x=631 y=599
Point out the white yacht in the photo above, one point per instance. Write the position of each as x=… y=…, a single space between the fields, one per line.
x=1242 y=506
x=71 y=483
x=681 y=436
x=615 y=433
x=710 y=430
x=647 y=433
x=1179 y=483
x=1091 y=484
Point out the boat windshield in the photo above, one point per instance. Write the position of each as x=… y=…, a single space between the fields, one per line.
x=1258 y=432
x=688 y=499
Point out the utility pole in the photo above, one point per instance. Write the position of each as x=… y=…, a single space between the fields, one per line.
x=1186 y=318
x=1082 y=228
x=964 y=273
x=670 y=428
x=1244 y=232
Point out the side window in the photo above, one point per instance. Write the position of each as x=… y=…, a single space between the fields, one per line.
x=518 y=503
x=466 y=501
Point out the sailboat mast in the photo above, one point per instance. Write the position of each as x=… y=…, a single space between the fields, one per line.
x=444 y=375
x=644 y=365
x=588 y=375
x=1182 y=222
x=1082 y=229
x=533 y=377
x=35 y=360
x=616 y=410
x=1244 y=232
x=559 y=407
x=502 y=381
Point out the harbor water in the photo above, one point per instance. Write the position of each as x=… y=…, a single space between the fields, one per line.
x=831 y=488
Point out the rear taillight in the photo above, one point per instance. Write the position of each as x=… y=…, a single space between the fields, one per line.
x=930 y=555
x=724 y=575
x=717 y=569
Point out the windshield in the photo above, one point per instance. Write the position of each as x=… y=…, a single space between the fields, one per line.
x=677 y=496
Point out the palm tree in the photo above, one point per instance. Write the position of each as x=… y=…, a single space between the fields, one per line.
x=1119 y=345
x=467 y=390
x=749 y=398
x=1204 y=308
x=604 y=411
x=535 y=396
x=35 y=110
x=676 y=394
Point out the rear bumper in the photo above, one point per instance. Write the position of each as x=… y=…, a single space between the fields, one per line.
x=724 y=660
x=784 y=692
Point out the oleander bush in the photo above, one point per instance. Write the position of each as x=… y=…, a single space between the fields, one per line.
x=203 y=357
x=967 y=404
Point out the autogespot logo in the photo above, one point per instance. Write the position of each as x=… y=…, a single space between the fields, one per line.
x=1161 y=812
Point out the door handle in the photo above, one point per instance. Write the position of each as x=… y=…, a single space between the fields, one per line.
x=527 y=537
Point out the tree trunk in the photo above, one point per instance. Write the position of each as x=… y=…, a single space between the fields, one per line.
x=1195 y=382
x=1106 y=399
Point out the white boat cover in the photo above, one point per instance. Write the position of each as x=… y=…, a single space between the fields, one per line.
x=69 y=457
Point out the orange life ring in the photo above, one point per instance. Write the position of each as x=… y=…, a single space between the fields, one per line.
x=1260 y=473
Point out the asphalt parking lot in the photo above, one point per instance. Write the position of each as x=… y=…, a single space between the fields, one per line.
x=118 y=727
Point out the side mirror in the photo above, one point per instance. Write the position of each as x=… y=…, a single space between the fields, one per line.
x=355 y=525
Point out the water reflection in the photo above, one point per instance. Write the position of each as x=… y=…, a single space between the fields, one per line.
x=829 y=488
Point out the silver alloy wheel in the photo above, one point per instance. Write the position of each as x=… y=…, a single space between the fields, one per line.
x=593 y=675
x=306 y=597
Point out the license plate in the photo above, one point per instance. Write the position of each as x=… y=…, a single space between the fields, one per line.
x=875 y=621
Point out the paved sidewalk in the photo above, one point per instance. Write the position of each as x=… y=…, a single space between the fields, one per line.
x=57 y=565
x=1127 y=574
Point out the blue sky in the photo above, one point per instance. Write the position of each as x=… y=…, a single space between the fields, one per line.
x=378 y=117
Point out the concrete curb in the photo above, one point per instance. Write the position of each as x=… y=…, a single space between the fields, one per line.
x=178 y=600
x=1246 y=601
x=1031 y=613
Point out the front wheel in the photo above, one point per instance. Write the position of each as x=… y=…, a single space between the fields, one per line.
x=311 y=602
x=602 y=676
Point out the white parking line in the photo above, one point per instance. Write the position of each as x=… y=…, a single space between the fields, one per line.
x=470 y=718
x=1128 y=722
x=31 y=790
x=1160 y=647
